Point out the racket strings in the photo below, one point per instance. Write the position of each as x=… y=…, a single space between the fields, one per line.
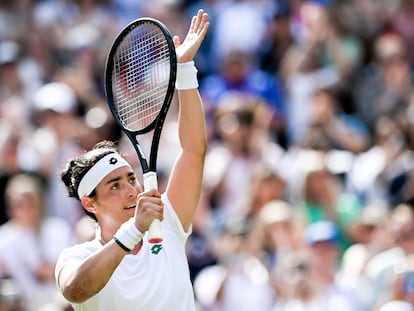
x=141 y=75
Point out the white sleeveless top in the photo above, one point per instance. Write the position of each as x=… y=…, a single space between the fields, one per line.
x=155 y=279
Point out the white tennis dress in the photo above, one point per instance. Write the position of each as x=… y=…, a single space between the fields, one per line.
x=155 y=279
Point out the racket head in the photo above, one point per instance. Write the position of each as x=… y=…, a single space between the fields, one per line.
x=140 y=75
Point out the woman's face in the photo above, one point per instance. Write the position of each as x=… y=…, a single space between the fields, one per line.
x=116 y=197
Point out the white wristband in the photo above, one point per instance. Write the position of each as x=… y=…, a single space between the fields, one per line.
x=128 y=235
x=186 y=78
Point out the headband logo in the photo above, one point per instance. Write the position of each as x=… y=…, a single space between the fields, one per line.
x=113 y=161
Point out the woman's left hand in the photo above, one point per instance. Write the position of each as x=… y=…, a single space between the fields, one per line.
x=188 y=48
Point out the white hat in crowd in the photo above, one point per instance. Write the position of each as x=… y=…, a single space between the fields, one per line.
x=55 y=96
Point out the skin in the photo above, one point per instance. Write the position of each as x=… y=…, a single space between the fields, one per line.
x=119 y=197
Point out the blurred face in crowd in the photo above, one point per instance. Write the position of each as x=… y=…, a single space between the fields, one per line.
x=402 y=227
x=25 y=202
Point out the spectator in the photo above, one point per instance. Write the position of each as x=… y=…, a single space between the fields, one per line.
x=57 y=138
x=243 y=144
x=31 y=231
x=278 y=40
x=379 y=268
x=401 y=22
x=332 y=129
x=385 y=85
x=322 y=238
x=17 y=85
x=318 y=262
x=276 y=231
x=16 y=156
x=238 y=73
x=239 y=270
x=322 y=57
x=383 y=171
x=294 y=284
x=266 y=185
x=10 y=296
x=325 y=199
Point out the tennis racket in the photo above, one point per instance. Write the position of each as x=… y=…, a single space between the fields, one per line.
x=139 y=83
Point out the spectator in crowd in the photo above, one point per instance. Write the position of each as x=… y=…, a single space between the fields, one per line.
x=243 y=143
x=10 y=297
x=322 y=57
x=276 y=232
x=307 y=278
x=238 y=73
x=402 y=293
x=278 y=39
x=15 y=74
x=9 y=162
x=239 y=269
x=382 y=172
x=380 y=267
x=401 y=22
x=294 y=284
x=385 y=85
x=325 y=199
x=266 y=185
x=31 y=241
x=322 y=238
x=303 y=66
x=55 y=106
x=330 y=128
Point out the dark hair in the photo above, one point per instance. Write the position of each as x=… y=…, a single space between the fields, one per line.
x=78 y=166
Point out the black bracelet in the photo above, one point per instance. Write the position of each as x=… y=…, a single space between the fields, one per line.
x=121 y=245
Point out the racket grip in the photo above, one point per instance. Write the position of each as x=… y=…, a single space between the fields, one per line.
x=150 y=181
x=154 y=231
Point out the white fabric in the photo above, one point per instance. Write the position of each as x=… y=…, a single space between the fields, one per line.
x=103 y=167
x=146 y=281
x=22 y=251
x=128 y=234
x=186 y=76
x=396 y=305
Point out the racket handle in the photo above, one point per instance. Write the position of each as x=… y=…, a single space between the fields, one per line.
x=154 y=231
x=150 y=181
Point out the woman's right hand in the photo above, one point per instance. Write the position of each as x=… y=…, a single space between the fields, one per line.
x=149 y=207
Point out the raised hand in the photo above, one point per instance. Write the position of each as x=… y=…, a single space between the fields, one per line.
x=187 y=49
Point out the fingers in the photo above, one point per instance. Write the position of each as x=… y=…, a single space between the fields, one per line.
x=176 y=40
x=196 y=21
x=149 y=207
x=187 y=49
x=199 y=23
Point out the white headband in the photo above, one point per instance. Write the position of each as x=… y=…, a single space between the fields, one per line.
x=103 y=167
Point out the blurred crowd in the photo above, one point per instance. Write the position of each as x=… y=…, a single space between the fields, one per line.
x=308 y=194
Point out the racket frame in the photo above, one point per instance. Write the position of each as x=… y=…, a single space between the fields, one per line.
x=148 y=168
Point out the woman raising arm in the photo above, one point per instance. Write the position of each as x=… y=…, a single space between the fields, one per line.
x=119 y=269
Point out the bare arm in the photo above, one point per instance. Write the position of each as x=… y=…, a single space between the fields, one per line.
x=80 y=282
x=184 y=187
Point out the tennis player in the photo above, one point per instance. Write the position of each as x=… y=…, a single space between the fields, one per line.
x=119 y=269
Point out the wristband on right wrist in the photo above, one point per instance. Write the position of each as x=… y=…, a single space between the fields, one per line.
x=128 y=235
